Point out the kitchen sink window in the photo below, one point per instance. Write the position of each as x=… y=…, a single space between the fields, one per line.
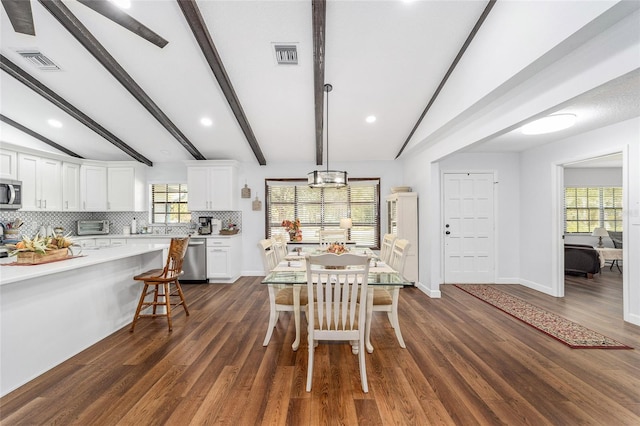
x=322 y=208
x=169 y=203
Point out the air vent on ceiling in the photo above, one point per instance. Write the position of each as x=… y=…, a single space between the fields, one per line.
x=38 y=60
x=286 y=54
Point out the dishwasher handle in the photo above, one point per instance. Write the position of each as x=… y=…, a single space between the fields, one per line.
x=196 y=243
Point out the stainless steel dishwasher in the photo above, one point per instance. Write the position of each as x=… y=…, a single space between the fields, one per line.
x=195 y=262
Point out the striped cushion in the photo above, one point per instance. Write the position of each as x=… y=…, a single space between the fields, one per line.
x=285 y=296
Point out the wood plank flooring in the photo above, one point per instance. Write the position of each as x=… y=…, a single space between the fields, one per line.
x=466 y=363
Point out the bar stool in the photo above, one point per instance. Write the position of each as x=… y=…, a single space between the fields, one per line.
x=161 y=279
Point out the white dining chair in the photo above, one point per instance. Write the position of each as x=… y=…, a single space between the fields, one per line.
x=280 y=246
x=330 y=236
x=280 y=296
x=337 y=313
x=386 y=299
x=387 y=247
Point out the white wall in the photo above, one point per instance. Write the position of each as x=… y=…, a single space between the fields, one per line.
x=507 y=217
x=253 y=222
x=587 y=176
x=536 y=175
x=254 y=175
x=539 y=210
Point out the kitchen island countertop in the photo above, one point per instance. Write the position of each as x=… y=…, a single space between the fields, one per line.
x=15 y=273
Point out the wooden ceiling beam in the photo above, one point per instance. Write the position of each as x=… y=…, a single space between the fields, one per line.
x=319 y=15
x=110 y=11
x=93 y=46
x=20 y=16
x=203 y=37
x=19 y=74
x=453 y=65
x=38 y=136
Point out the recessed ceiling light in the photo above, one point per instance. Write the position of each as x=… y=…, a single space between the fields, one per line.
x=54 y=123
x=206 y=121
x=122 y=4
x=551 y=123
x=370 y=119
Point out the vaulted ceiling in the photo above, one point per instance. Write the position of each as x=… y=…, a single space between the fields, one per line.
x=138 y=88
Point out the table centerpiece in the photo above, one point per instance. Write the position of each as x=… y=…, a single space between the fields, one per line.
x=41 y=249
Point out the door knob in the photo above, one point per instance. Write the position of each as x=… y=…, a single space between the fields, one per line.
x=448 y=232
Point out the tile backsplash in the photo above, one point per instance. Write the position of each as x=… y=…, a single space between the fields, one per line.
x=117 y=221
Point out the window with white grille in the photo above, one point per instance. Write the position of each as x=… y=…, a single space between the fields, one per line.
x=322 y=208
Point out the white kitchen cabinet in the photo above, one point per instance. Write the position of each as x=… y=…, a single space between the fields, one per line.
x=70 y=187
x=103 y=242
x=41 y=182
x=93 y=188
x=402 y=221
x=86 y=242
x=126 y=188
x=223 y=259
x=8 y=164
x=117 y=242
x=212 y=185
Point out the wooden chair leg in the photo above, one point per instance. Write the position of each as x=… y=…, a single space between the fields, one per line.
x=140 y=302
x=181 y=294
x=155 y=298
x=167 y=302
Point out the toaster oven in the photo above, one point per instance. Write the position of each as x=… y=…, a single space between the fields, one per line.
x=92 y=227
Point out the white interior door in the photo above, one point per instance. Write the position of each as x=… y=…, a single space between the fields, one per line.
x=468 y=228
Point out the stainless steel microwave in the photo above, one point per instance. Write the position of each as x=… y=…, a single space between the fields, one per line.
x=10 y=194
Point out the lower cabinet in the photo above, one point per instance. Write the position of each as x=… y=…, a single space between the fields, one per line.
x=223 y=259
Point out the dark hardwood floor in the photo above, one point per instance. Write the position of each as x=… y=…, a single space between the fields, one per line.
x=466 y=363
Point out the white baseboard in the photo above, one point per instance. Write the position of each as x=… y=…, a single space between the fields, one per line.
x=538 y=287
x=434 y=294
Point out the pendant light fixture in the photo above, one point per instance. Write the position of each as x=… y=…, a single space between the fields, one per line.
x=327 y=178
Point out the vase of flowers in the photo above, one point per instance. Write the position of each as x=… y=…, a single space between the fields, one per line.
x=293 y=228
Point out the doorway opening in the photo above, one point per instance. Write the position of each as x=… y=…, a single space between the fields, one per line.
x=596 y=183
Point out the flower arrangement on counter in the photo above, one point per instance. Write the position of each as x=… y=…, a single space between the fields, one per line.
x=39 y=244
x=293 y=228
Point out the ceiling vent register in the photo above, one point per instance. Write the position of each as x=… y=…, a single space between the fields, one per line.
x=39 y=60
x=286 y=54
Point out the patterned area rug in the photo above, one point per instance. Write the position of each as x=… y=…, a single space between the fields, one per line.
x=571 y=334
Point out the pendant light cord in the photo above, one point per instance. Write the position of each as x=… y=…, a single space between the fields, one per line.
x=327 y=89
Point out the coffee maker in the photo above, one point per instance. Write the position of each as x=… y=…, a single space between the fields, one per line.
x=204 y=227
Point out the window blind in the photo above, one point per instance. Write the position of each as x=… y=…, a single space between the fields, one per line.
x=322 y=208
x=589 y=208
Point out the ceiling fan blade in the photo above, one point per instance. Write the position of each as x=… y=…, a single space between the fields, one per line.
x=111 y=11
x=19 y=12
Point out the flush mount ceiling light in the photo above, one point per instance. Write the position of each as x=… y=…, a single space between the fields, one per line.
x=551 y=123
x=206 y=121
x=54 y=123
x=327 y=178
x=370 y=119
x=122 y=4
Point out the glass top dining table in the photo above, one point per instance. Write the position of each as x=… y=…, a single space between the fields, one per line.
x=292 y=272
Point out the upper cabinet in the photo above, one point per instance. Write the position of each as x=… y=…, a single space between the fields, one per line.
x=93 y=188
x=8 y=164
x=41 y=182
x=70 y=187
x=126 y=188
x=212 y=185
x=60 y=183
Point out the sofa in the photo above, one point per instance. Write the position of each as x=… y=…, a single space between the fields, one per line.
x=580 y=259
